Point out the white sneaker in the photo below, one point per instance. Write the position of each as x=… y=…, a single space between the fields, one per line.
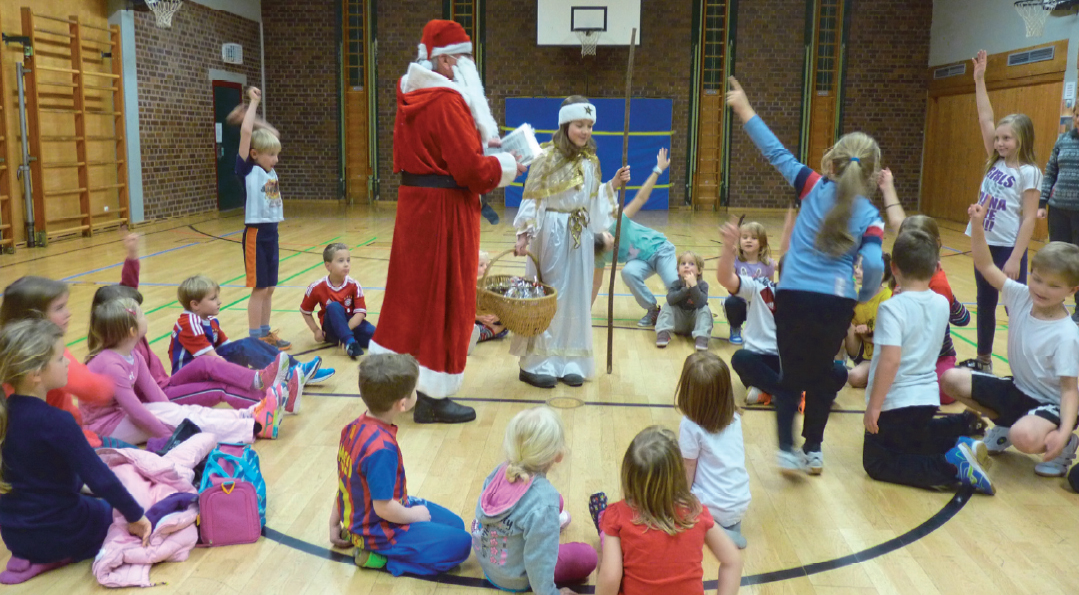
x=1058 y=467
x=563 y=520
x=753 y=396
x=474 y=339
x=791 y=462
x=815 y=462
x=996 y=439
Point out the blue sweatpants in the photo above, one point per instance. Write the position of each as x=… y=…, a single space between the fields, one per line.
x=335 y=326
x=250 y=352
x=429 y=548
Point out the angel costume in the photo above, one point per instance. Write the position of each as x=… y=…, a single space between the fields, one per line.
x=564 y=205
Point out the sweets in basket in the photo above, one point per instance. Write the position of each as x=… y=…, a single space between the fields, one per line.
x=525 y=306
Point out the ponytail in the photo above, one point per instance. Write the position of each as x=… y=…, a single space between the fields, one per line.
x=853 y=162
x=534 y=439
x=111 y=323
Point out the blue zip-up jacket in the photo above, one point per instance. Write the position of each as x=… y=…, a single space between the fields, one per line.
x=805 y=268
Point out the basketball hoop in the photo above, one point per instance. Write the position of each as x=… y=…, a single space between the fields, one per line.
x=1035 y=13
x=163 y=11
x=589 y=39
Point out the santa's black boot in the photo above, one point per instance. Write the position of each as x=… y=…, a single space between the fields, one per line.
x=441 y=411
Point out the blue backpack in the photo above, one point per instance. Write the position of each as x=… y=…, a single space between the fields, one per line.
x=231 y=462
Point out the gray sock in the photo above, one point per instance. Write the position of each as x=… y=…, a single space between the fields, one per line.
x=735 y=533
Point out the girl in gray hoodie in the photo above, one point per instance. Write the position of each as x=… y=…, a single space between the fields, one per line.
x=515 y=534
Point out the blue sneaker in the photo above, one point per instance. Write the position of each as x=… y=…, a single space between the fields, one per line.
x=966 y=457
x=322 y=375
x=736 y=336
x=307 y=370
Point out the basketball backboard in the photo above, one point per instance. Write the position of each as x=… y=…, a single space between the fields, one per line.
x=558 y=20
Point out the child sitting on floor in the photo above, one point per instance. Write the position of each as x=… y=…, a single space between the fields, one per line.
x=859 y=341
x=686 y=310
x=754 y=261
x=342 y=316
x=515 y=534
x=488 y=326
x=389 y=527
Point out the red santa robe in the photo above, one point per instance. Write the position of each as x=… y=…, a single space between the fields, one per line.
x=429 y=307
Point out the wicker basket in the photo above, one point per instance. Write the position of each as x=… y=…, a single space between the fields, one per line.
x=527 y=317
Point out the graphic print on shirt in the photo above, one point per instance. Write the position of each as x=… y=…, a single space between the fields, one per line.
x=994 y=180
x=490 y=542
x=768 y=296
x=273 y=192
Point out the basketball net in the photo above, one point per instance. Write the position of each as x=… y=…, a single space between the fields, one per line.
x=589 y=40
x=163 y=11
x=1035 y=13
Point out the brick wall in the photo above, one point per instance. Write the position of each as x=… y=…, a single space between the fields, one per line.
x=176 y=115
x=302 y=42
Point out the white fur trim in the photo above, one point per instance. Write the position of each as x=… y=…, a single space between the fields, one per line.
x=576 y=111
x=422 y=54
x=509 y=169
x=437 y=385
x=420 y=76
x=465 y=47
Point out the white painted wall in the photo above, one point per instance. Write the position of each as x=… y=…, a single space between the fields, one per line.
x=248 y=9
x=962 y=27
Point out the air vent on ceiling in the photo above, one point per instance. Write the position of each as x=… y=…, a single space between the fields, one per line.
x=1029 y=57
x=949 y=71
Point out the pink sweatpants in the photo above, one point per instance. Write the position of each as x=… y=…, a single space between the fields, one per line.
x=943 y=364
x=226 y=424
x=575 y=562
x=208 y=381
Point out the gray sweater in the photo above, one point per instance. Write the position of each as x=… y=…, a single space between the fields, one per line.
x=516 y=531
x=1061 y=178
x=688 y=298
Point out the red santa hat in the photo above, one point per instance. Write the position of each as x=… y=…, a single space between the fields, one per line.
x=443 y=37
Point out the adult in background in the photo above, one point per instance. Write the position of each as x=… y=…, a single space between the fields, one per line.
x=443 y=124
x=1060 y=190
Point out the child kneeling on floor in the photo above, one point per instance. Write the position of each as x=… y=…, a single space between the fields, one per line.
x=686 y=310
x=905 y=442
x=515 y=534
x=389 y=528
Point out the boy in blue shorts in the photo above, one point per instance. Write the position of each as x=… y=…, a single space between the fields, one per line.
x=263 y=210
x=388 y=527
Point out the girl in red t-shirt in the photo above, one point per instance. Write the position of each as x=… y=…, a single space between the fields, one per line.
x=653 y=540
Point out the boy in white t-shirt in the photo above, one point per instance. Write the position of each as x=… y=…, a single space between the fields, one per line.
x=1035 y=410
x=904 y=442
x=263 y=210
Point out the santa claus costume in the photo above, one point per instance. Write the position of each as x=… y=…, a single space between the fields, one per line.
x=439 y=135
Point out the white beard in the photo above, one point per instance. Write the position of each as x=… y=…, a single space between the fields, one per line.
x=467 y=78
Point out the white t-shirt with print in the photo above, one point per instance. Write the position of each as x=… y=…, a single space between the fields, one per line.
x=1040 y=352
x=721 y=482
x=263 y=193
x=1002 y=194
x=760 y=331
x=916 y=322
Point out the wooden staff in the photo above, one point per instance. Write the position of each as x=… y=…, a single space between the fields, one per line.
x=621 y=195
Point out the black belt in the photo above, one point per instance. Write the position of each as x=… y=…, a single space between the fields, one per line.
x=429 y=181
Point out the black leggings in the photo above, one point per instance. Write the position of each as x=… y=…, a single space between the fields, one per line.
x=988 y=296
x=909 y=447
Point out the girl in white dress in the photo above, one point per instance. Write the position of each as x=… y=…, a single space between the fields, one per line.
x=563 y=210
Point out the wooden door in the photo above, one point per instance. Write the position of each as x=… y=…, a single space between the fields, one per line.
x=823 y=90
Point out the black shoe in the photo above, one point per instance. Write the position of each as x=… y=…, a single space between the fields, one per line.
x=441 y=411
x=573 y=379
x=353 y=349
x=538 y=380
x=489 y=213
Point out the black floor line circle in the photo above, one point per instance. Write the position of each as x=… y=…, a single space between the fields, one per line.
x=933 y=523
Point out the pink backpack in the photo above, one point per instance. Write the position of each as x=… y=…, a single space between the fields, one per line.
x=229 y=514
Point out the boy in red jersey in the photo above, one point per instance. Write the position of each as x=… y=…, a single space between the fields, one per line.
x=342 y=317
x=388 y=527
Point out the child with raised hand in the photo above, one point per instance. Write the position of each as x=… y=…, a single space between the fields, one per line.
x=342 y=317
x=815 y=298
x=859 y=341
x=389 y=528
x=1035 y=409
x=642 y=251
x=905 y=442
x=710 y=437
x=653 y=541
x=263 y=210
x=957 y=314
x=515 y=534
x=45 y=521
x=141 y=411
x=686 y=311
x=1009 y=193
x=755 y=260
x=42 y=298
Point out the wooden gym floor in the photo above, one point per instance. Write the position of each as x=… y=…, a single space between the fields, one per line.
x=837 y=533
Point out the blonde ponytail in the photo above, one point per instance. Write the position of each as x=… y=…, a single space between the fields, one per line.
x=534 y=439
x=852 y=163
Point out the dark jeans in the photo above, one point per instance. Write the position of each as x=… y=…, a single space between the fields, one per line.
x=735 y=308
x=988 y=296
x=763 y=372
x=250 y=352
x=335 y=326
x=909 y=447
x=1064 y=227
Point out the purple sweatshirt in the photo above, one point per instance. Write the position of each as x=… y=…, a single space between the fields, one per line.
x=134 y=386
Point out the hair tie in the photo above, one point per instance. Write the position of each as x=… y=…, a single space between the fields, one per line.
x=855 y=159
x=130 y=311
